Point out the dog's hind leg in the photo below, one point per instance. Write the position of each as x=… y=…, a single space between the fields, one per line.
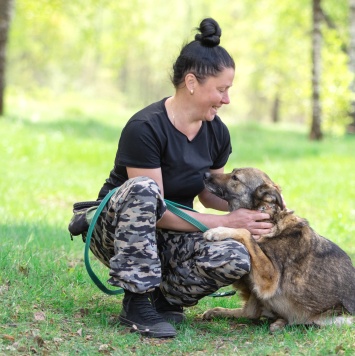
x=325 y=319
x=279 y=324
x=338 y=320
x=264 y=275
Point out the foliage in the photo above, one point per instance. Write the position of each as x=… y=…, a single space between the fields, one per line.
x=59 y=150
x=335 y=85
x=126 y=49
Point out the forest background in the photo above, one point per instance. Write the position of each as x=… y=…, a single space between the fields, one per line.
x=124 y=50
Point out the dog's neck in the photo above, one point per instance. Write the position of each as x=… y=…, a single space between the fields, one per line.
x=277 y=217
x=264 y=207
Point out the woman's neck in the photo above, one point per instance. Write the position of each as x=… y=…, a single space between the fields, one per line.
x=182 y=117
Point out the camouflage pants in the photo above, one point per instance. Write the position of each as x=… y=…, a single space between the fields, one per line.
x=142 y=257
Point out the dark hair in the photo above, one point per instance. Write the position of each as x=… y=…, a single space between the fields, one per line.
x=204 y=56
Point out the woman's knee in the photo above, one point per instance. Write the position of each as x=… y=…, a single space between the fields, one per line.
x=239 y=263
x=146 y=192
x=229 y=259
x=137 y=191
x=143 y=184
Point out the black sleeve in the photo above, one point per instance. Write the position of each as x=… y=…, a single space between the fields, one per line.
x=223 y=147
x=139 y=146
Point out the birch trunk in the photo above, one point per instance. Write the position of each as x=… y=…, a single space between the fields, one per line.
x=351 y=127
x=316 y=132
x=5 y=16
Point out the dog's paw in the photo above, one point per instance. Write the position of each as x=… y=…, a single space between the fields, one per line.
x=222 y=233
x=218 y=234
x=279 y=324
x=211 y=313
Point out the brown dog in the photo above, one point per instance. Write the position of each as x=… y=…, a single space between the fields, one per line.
x=297 y=276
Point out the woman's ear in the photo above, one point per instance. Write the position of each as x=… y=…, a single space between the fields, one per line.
x=190 y=82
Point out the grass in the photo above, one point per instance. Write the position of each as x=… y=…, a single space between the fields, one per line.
x=56 y=153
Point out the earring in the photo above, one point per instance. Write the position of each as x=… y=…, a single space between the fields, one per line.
x=191 y=91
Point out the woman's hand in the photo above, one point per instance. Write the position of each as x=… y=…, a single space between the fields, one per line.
x=251 y=220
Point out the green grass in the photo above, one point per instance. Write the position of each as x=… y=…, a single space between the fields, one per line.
x=55 y=153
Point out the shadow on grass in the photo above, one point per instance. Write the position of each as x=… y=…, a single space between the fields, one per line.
x=34 y=234
x=252 y=142
x=75 y=126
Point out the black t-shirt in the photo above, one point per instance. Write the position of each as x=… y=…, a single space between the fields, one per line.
x=150 y=140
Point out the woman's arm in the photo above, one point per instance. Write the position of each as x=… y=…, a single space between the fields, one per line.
x=241 y=218
x=169 y=220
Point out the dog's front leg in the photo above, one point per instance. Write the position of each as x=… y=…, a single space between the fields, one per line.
x=264 y=275
x=224 y=313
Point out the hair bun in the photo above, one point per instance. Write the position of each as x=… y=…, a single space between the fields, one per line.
x=210 y=33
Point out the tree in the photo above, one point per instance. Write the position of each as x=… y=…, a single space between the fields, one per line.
x=316 y=132
x=5 y=16
x=126 y=48
x=351 y=127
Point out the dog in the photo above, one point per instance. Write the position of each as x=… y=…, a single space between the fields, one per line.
x=297 y=276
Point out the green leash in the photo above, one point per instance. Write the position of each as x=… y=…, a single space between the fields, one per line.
x=173 y=207
x=91 y=273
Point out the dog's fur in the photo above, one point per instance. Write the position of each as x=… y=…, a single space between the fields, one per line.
x=297 y=276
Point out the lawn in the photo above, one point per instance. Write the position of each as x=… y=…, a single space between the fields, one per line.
x=57 y=152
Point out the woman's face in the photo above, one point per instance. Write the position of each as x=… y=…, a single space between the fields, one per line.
x=213 y=93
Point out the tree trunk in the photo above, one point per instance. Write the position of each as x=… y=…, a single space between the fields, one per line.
x=5 y=16
x=276 y=109
x=316 y=131
x=351 y=127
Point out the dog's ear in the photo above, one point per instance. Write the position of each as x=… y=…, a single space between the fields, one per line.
x=269 y=194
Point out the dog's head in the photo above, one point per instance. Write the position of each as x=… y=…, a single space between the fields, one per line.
x=247 y=188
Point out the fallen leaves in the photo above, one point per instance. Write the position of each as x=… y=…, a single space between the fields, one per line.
x=29 y=337
x=8 y=338
x=340 y=350
x=24 y=269
x=40 y=316
x=4 y=287
x=105 y=349
x=39 y=341
x=82 y=313
x=58 y=340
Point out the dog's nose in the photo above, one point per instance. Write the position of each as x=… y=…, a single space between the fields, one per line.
x=206 y=175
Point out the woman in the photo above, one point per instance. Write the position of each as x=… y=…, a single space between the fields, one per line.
x=161 y=261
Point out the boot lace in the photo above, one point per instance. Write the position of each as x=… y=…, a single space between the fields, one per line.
x=147 y=311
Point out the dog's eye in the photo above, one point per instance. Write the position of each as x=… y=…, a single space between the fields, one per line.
x=234 y=177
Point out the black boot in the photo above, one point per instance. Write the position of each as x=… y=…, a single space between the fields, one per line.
x=170 y=312
x=138 y=312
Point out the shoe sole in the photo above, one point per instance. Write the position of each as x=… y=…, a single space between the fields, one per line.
x=145 y=331
x=173 y=317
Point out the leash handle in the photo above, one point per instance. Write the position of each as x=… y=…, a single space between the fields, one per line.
x=173 y=207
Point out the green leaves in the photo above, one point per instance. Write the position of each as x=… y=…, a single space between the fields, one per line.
x=102 y=47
